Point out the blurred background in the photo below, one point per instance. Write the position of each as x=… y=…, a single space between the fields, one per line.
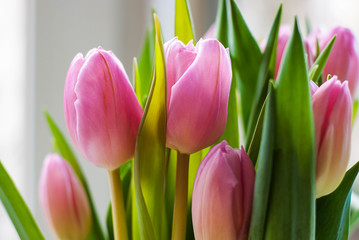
x=39 y=38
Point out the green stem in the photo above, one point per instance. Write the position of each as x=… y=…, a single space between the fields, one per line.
x=118 y=206
x=181 y=194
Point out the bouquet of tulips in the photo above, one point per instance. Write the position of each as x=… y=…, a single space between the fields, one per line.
x=170 y=139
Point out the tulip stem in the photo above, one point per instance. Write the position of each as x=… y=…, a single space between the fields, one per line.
x=181 y=195
x=118 y=206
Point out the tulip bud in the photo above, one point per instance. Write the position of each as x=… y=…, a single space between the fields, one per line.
x=101 y=109
x=343 y=60
x=198 y=83
x=223 y=194
x=332 y=110
x=63 y=199
x=284 y=34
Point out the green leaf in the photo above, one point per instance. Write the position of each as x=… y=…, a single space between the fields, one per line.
x=17 y=209
x=150 y=161
x=246 y=59
x=266 y=72
x=109 y=222
x=355 y=109
x=253 y=149
x=316 y=70
x=65 y=151
x=264 y=171
x=291 y=204
x=144 y=69
x=333 y=210
x=231 y=133
x=183 y=23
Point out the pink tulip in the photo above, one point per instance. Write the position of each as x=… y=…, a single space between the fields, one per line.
x=285 y=31
x=198 y=84
x=101 y=109
x=63 y=199
x=223 y=194
x=343 y=60
x=332 y=109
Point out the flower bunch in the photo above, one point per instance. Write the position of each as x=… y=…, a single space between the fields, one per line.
x=171 y=147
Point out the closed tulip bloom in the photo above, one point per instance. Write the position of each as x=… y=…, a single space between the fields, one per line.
x=223 y=194
x=198 y=84
x=63 y=199
x=343 y=60
x=332 y=109
x=101 y=109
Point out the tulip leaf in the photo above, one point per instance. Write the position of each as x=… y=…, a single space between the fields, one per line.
x=246 y=59
x=264 y=171
x=355 y=109
x=17 y=209
x=231 y=133
x=144 y=69
x=266 y=72
x=150 y=160
x=254 y=147
x=291 y=203
x=183 y=24
x=66 y=152
x=333 y=210
x=316 y=70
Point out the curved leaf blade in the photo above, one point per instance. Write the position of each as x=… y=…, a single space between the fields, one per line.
x=291 y=205
x=246 y=58
x=264 y=171
x=183 y=23
x=333 y=210
x=17 y=209
x=316 y=70
x=266 y=72
x=151 y=144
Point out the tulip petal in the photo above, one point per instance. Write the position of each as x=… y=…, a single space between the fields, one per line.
x=332 y=108
x=222 y=194
x=106 y=114
x=197 y=111
x=70 y=96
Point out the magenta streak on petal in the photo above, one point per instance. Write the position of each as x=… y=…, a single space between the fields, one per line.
x=113 y=98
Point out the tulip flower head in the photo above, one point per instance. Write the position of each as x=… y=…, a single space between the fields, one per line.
x=223 y=194
x=198 y=84
x=343 y=60
x=101 y=109
x=332 y=110
x=63 y=199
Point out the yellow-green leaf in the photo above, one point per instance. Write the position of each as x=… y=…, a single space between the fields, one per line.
x=183 y=24
x=149 y=167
